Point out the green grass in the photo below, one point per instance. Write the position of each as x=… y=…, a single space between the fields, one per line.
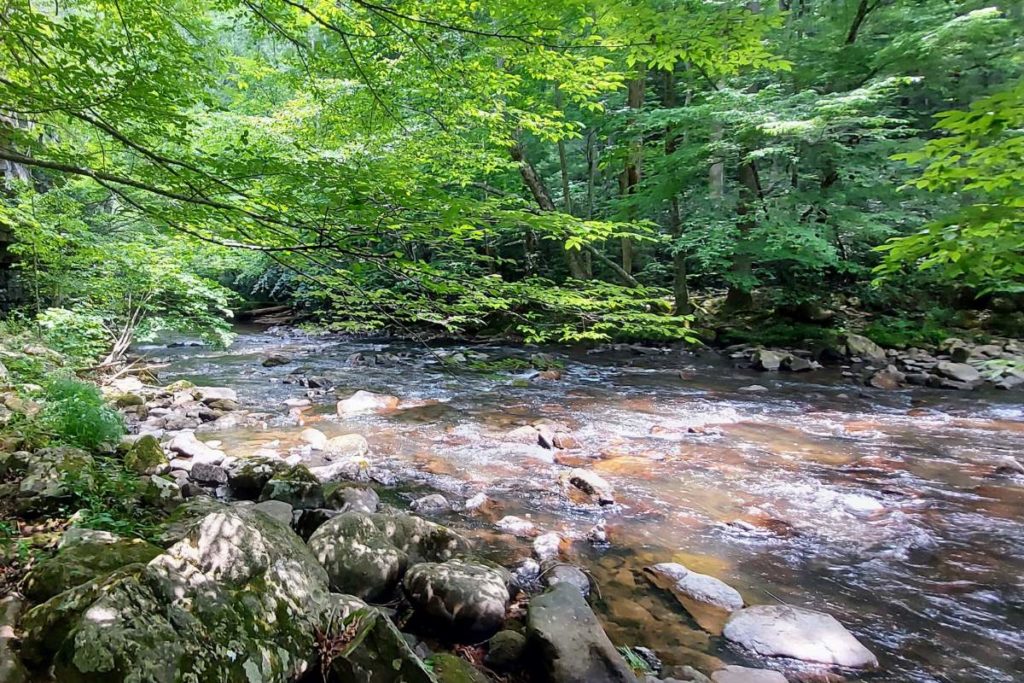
x=74 y=413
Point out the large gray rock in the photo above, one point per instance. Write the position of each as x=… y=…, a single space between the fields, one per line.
x=377 y=653
x=296 y=486
x=958 y=372
x=247 y=477
x=346 y=446
x=763 y=359
x=743 y=674
x=358 y=498
x=237 y=598
x=569 y=639
x=466 y=598
x=210 y=394
x=785 y=631
x=862 y=347
x=79 y=562
x=709 y=601
x=366 y=555
x=188 y=446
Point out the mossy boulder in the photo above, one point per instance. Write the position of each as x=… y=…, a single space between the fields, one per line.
x=367 y=554
x=296 y=486
x=449 y=668
x=460 y=597
x=238 y=598
x=82 y=561
x=246 y=478
x=146 y=456
x=378 y=653
x=47 y=476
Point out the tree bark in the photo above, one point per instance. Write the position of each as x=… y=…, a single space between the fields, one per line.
x=631 y=174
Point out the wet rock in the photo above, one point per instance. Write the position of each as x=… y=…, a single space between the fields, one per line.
x=547 y=546
x=431 y=504
x=212 y=475
x=208 y=609
x=296 y=486
x=210 y=394
x=517 y=526
x=958 y=372
x=247 y=477
x=187 y=445
x=1009 y=465
x=862 y=347
x=786 y=631
x=467 y=598
x=526 y=434
x=554 y=573
x=570 y=641
x=754 y=388
x=888 y=378
x=357 y=498
x=297 y=403
x=861 y=505
x=505 y=651
x=224 y=405
x=527 y=574
x=276 y=359
x=743 y=674
x=793 y=363
x=763 y=359
x=78 y=562
x=378 y=653
x=355 y=468
x=314 y=437
x=449 y=668
x=592 y=484
x=476 y=502
x=367 y=554
x=709 y=601
x=275 y=509
x=347 y=445
x=367 y=402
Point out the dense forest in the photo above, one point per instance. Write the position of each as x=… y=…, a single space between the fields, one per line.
x=511 y=341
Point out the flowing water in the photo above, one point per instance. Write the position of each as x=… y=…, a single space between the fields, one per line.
x=881 y=508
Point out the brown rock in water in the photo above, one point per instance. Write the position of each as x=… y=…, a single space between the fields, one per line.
x=367 y=402
x=708 y=600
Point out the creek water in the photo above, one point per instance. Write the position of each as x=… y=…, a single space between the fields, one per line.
x=881 y=508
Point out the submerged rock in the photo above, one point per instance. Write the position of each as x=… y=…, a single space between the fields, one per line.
x=570 y=642
x=467 y=598
x=367 y=554
x=347 y=445
x=785 y=631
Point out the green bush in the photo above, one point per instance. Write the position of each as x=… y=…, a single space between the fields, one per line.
x=75 y=413
x=107 y=496
x=80 y=336
x=891 y=332
x=781 y=334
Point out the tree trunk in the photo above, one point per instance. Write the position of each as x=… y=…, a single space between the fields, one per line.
x=577 y=260
x=631 y=174
x=680 y=290
x=739 y=296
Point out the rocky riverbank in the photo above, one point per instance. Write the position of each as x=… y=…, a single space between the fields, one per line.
x=286 y=566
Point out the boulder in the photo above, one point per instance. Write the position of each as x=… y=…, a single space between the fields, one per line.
x=347 y=445
x=888 y=378
x=146 y=456
x=356 y=468
x=276 y=359
x=275 y=509
x=187 y=445
x=592 y=484
x=210 y=608
x=367 y=554
x=527 y=434
x=743 y=674
x=79 y=562
x=505 y=651
x=296 y=486
x=247 y=477
x=862 y=347
x=162 y=492
x=763 y=359
x=466 y=599
x=433 y=503
x=314 y=437
x=367 y=402
x=786 y=631
x=376 y=652
x=213 y=475
x=958 y=372
x=555 y=573
x=46 y=475
x=358 y=498
x=708 y=600
x=570 y=642
x=11 y=668
x=209 y=394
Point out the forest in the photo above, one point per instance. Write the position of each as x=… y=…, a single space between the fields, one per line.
x=336 y=335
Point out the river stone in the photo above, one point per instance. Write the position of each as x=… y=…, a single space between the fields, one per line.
x=517 y=526
x=367 y=554
x=861 y=346
x=888 y=378
x=80 y=561
x=785 y=631
x=796 y=364
x=367 y=402
x=449 y=668
x=314 y=437
x=763 y=359
x=505 y=650
x=274 y=360
x=146 y=456
x=352 y=468
x=247 y=477
x=296 y=486
x=377 y=653
x=210 y=394
x=187 y=445
x=347 y=445
x=275 y=509
x=570 y=641
x=554 y=573
x=238 y=598
x=592 y=484
x=708 y=600
x=45 y=474
x=435 y=502
x=358 y=498
x=465 y=597
x=958 y=372
x=208 y=474
x=743 y=674
x=547 y=546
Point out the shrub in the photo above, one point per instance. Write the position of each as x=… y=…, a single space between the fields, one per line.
x=80 y=336
x=107 y=496
x=75 y=414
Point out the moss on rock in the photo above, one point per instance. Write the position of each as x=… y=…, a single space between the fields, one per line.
x=146 y=456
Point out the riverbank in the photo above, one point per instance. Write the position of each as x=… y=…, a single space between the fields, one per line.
x=617 y=462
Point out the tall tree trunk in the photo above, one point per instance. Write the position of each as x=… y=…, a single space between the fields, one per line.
x=741 y=271
x=680 y=290
x=631 y=174
x=576 y=259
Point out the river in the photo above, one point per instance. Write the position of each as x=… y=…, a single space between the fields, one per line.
x=881 y=508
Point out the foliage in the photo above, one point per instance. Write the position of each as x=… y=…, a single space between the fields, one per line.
x=107 y=496
x=81 y=336
x=781 y=334
x=74 y=413
x=635 y=662
x=893 y=332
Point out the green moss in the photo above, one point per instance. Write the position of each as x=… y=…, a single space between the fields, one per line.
x=449 y=668
x=145 y=455
x=82 y=562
